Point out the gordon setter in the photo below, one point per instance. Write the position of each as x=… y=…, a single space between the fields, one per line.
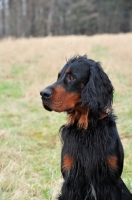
x=92 y=153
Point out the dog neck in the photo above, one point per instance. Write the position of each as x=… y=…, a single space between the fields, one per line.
x=80 y=115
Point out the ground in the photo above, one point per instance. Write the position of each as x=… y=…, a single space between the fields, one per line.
x=29 y=139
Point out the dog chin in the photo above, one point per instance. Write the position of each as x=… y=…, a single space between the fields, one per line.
x=69 y=111
x=47 y=108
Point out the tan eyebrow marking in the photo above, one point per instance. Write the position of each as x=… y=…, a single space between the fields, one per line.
x=68 y=70
x=82 y=86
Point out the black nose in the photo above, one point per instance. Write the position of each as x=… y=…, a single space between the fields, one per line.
x=46 y=93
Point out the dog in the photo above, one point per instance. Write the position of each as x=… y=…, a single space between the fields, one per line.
x=92 y=153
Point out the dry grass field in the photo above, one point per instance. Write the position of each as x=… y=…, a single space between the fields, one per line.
x=29 y=139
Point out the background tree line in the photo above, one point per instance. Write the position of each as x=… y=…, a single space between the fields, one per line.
x=25 y=18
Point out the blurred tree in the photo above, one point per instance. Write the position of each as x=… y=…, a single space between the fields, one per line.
x=3 y=17
x=25 y=18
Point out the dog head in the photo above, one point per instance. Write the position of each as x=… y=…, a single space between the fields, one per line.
x=82 y=89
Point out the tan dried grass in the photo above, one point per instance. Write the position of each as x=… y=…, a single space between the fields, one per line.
x=46 y=56
x=40 y=60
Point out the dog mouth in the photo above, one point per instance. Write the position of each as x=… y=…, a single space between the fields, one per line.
x=50 y=108
x=47 y=108
x=69 y=111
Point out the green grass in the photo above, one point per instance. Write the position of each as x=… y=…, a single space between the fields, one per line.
x=11 y=89
x=99 y=51
x=29 y=143
x=29 y=139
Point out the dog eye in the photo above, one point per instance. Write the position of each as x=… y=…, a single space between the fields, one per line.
x=71 y=78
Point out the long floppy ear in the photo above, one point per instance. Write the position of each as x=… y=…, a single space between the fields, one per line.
x=98 y=93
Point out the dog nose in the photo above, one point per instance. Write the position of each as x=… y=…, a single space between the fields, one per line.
x=46 y=93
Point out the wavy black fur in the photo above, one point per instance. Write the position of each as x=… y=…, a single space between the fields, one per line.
x=91 y=178
x=96 y=153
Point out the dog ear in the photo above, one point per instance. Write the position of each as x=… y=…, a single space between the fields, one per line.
x=98 y=93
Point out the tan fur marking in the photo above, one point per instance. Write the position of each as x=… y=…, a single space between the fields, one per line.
x=112 y=162
x=63 y=100
x=68 y=70
x=82 y=86
x=67 y=162
x=59 y=73
x=81 y=115
x=83 y=120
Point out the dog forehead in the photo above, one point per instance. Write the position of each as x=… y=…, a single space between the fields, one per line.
x=80 y=71
x=78 y=68
x=63 y=70
x=75 y=68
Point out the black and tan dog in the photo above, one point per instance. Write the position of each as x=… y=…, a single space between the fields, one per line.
x=92 y=153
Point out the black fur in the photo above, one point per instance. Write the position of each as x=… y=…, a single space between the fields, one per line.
x=92 y=153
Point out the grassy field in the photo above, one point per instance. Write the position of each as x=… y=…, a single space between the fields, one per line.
x=29 y=139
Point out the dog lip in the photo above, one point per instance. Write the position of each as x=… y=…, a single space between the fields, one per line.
x=47 y=108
